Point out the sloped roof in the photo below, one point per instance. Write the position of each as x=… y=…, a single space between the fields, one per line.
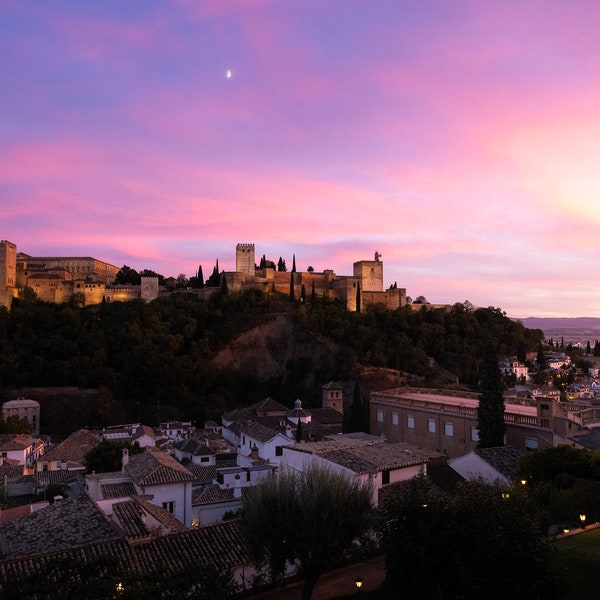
x=131 y=516
x=14 y=441
x=70 y=522
x=74 y=447
x=211 y=494
x=332 y=385
x=589 y=440
x=202 y=474
x=156 y=468
x=194 y=447
x=259 y=432
x=220 y=545
x=367 y=455
x=117 y=490
x=505 y=459
x=269 y=405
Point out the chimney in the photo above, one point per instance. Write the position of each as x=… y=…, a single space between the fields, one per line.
x=125 y=459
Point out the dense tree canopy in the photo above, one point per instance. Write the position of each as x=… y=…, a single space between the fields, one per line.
x=154 y=360
x=481 y=542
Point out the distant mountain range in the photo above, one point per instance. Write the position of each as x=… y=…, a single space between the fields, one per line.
x=572 y=329
x=544 y=323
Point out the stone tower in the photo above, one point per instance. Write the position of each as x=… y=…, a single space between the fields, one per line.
x=333 y=396
x=8 y=272
x=244 y=259
x=370 y=274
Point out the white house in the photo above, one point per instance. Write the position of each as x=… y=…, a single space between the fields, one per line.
x=490 y=464
x=259 y=441
x=366 y=458
x=134 y=432
x=21 y=447
x=153 y=474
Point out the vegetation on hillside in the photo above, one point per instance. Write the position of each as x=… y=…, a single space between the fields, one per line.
x=155 y=361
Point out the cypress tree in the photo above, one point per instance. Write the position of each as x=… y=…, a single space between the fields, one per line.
x=303 y=293
x=313 y=295
x=200 y=277
x=490 y=412
x=358 y=297
x=299 y=431
x=294 y=264
x=292 y=295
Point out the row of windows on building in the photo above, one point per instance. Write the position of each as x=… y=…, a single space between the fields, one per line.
x=531 y=443
x=432 y=425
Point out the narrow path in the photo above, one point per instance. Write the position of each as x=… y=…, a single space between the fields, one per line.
x=334 y=584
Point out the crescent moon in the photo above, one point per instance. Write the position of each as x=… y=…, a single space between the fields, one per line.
x=228 y=74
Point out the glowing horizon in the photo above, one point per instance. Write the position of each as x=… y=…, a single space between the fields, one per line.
x=458 y=139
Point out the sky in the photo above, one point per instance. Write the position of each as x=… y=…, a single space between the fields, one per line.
x=460 y=139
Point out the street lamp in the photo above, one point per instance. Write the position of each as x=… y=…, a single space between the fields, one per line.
x=582 y=519
x=358 y=581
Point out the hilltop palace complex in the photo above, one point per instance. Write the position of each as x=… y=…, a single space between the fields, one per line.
x=57 y=279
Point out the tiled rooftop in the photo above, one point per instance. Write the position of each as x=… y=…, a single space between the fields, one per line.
x=73 y=448
x=156 y=468
x=70 y=522
x=210 y=494
x=220 y=545
x=505 y=459
x=117 y=490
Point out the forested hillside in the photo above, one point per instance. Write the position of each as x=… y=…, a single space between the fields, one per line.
x=181 y=357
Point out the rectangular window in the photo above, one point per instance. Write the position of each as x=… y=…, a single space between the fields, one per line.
x=385 y=477
x=278 y=450
x=380 y=416
x=531 y=443
x=448 y=429
x=410 y=422
x=395 y=418
x=474 y=434
x=170 y=506
x=431 y=425
x=205 y=459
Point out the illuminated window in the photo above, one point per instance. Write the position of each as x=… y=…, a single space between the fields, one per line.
x=431 y=425
x=410 y=422
x=448 y=429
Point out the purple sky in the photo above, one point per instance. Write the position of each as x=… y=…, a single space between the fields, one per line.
x=459 y=138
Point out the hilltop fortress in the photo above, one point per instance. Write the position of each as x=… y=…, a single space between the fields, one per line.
x=58 y=279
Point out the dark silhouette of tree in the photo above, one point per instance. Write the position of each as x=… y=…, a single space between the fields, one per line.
x=303 y=293
x=311 y=518
x=313 y=295
x=294 y=264
x=310 y=269
x=281 y=265
x=358 y=297
x=107 y=456
x=541 y=357
x=588 y=348
x=356 y=415
x=299 y=431
x=215 y=278
x=127 y=276
x=490 y=411
x=14 y=424
x=484 y=541
x=292 y=291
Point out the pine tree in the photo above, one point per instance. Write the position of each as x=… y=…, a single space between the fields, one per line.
x=541 y=357
x=490 y=412
x=356 y=416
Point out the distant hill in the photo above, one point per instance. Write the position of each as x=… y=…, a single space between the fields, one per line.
x=552 y=323
x=575 y=330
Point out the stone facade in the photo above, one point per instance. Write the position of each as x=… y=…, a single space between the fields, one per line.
x=57 y=279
